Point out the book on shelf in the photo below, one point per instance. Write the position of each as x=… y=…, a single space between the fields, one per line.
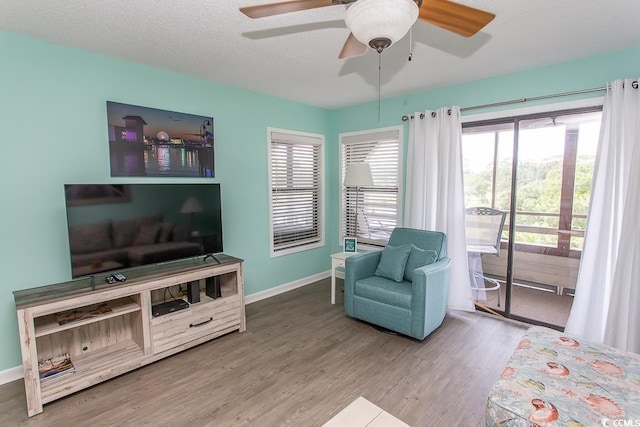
x=81 y=313
x=55 y=367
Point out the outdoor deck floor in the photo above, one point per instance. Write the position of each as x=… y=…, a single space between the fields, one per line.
x=535 y=304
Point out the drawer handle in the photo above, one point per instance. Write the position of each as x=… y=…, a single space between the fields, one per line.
x=194 y=325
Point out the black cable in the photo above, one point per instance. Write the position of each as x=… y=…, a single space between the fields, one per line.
x=164 y=297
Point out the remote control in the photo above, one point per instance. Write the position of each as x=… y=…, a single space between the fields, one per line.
x=119 y=277
x=110 y=280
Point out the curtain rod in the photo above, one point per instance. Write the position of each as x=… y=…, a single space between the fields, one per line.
x=533 y=98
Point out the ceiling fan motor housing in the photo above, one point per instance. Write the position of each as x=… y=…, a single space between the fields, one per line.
x=380 y=23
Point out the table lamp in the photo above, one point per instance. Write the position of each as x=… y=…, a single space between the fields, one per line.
x=357 y=175
x=191 y=206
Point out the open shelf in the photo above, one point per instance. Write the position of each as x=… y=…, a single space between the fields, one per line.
x=109 y=330
x=92 y=368
x=47 y=325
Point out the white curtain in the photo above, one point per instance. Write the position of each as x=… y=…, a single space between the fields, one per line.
x=606 y=306
x=435 y=192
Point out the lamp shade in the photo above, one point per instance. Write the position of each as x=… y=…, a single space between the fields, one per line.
x=191 y=205
x=358 y=175
x=381 y=19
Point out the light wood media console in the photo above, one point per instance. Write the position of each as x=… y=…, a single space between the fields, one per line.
x=123 y=335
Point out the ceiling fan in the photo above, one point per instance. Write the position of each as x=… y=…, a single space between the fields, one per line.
x=380 y=23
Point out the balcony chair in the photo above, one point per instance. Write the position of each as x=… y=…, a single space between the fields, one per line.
x=484 y=232
x=404 y=287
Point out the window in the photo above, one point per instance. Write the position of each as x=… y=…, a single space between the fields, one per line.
x=296 y=194
x=378 y=207
x=555 y=159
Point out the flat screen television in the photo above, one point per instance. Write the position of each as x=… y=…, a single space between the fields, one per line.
x=116 y=226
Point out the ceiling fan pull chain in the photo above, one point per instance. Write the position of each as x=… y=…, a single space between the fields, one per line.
x=379 y=90
x=410 y=43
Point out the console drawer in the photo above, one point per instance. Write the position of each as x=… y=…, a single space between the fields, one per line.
x=199 y=320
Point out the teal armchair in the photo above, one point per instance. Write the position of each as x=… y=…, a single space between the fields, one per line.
x=405 y=287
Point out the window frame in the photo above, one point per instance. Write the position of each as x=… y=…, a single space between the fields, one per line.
x=365 y=137
x=301 y=138
x=562 y=248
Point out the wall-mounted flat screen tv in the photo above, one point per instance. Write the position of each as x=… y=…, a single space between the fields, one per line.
x=116 y=226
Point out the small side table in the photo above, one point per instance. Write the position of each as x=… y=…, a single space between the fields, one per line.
x=337 y=260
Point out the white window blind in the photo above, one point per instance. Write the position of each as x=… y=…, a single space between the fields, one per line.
x=378 y=206
x=295 y=191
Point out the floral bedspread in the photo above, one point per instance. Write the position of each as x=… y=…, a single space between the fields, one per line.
x=554 y=379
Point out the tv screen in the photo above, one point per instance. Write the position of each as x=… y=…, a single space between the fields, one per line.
x=118 y=226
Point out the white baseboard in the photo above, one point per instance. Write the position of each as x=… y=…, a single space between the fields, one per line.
x=13 y=374
x=258 y=296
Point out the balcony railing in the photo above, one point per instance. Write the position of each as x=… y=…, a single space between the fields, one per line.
x=561 y=247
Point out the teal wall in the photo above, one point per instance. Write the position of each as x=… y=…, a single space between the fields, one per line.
x=54 y=131
x=587 y=73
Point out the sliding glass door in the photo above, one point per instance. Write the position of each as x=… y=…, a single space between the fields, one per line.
x=488 y=167
x=536 y=169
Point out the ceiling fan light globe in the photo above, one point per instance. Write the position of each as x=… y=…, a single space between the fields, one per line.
x=381 y=19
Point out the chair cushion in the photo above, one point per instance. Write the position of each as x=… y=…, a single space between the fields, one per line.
x=87 y=238
x=148 y=234
x=392 y=262
x=384 y=291
x=418 y=258
x=165 y=232
x=125 y=232
x=423 y=239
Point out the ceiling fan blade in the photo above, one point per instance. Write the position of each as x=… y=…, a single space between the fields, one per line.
x=455 y=17
x=270 y=9
x=352 y=48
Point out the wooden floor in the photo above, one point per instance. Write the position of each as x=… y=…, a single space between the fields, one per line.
x=299 y=363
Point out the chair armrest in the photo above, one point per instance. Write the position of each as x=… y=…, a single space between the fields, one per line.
x=362 y=265
x=430 y=293
x=358 y=267
x=436 y=268
x=432 y=278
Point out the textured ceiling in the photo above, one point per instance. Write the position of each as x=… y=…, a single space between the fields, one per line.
x=295 y=56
